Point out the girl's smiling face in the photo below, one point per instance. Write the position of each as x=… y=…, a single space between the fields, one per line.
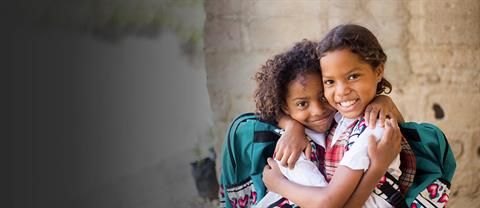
x=349 y=83
x=306 y=104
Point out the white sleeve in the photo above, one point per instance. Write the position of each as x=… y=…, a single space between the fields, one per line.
x=305 y=173
x=356 y=158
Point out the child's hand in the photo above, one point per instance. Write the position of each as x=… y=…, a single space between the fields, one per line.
x=383 y=153
x=291 y=144
x=381 y=107
x=272 y=174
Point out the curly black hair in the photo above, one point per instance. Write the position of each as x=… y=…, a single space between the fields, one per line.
x=361 y=42
x=277 y=73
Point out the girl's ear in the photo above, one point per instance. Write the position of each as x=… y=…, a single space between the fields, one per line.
x=379 y=73
x=285 y=110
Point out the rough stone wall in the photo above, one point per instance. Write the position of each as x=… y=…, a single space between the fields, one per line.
x=433 y=50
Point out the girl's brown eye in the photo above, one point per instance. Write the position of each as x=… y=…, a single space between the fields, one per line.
x=302 y=104
x=353 y=76
x=328 y=82
x=323 y=99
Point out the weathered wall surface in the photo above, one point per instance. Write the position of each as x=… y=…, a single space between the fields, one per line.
x=433 y=50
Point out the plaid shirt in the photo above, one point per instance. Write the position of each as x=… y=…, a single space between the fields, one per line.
x=334 y=154
x=318 y=156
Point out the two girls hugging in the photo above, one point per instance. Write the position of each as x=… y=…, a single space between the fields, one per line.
x=341 y=136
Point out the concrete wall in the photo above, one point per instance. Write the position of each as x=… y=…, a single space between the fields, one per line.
x=433 y=50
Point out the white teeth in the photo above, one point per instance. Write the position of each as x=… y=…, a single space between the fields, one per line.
x=347 y=103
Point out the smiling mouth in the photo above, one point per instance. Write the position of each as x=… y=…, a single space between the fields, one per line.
x=347 y=103
x=322 y=119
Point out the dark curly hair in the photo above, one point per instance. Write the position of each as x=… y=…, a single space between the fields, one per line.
x=361 y=42
x=277 y=73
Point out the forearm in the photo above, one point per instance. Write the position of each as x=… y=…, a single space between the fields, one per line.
x=366 y=186
x=394 y=110
x=397 y=114
x=286 y=122
x=335 y=194
x=303 y=196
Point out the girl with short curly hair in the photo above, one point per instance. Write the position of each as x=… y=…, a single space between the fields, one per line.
x=290 y=84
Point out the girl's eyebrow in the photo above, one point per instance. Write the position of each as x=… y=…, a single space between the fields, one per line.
x=349 y=72
x=353 y=70
x=299 y=98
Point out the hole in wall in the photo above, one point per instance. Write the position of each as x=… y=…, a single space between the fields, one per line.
x=478 y=151
x=455 y=193
x=439 y=114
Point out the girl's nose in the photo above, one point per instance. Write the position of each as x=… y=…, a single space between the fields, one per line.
x=342 y=89
x=317 y=108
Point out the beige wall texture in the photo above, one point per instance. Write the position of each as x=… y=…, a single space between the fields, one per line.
x=433 y=50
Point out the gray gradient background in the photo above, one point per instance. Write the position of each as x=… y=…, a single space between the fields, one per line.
x=100 y=123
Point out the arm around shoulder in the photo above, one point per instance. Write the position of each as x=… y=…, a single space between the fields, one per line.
x=292 y=142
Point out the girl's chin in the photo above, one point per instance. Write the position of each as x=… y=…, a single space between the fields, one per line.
x=322 y=125
x=318 y=129
x=351 y=114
